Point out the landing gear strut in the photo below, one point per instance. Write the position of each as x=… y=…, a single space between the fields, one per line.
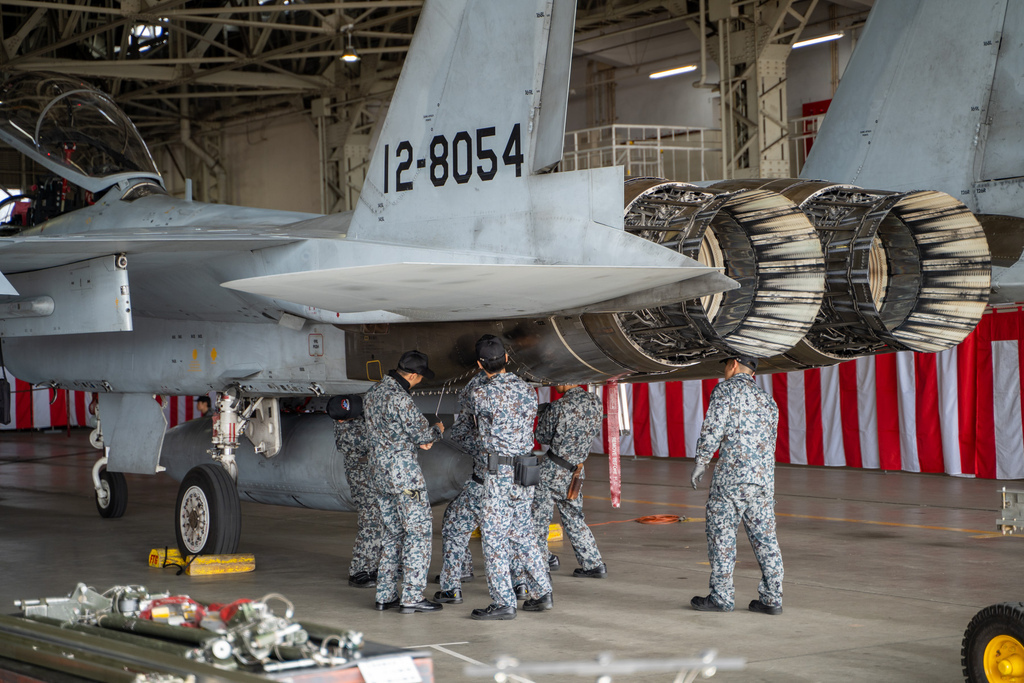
x=111 y=487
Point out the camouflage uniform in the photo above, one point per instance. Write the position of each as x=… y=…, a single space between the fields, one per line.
x=395 y=429
x=462 y=516
x=460 y=520
x=350 y=439
x=569 y=426
x=505 y=408
x=741 y=424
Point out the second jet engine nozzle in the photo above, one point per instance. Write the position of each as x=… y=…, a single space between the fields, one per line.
x=758 y=238
x=905 y=271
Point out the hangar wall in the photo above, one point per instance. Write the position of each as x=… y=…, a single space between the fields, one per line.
x=274 y=165
x=268 y=164
x=675 y=101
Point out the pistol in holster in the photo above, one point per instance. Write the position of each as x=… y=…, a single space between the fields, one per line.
x=576 y=483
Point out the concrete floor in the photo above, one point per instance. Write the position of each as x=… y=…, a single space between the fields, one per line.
x=883 y=571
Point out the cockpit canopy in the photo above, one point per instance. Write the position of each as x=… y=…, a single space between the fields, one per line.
x=74 y=130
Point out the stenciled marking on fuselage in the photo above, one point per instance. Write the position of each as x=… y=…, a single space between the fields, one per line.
x=453 y=158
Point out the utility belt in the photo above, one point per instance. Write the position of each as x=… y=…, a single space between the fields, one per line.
x=496 y=461
x=525 y=468
x=560 y=461
x=477 y=479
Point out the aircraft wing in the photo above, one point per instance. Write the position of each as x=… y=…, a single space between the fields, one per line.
x=445 y=291
x=19 y=254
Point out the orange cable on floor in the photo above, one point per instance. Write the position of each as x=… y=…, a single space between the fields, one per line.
x=659 y=519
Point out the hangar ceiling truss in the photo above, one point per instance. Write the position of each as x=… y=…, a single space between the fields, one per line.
x=185 y=71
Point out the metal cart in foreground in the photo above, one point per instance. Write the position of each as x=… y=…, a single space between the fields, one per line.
x=129 y=635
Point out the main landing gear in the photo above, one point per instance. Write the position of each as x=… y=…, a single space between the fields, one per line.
x=208 y=519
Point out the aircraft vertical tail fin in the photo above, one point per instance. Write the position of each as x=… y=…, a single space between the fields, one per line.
x=929 y=99
x=480 y=105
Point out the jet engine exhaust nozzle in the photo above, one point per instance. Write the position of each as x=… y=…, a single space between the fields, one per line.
x=759 y=238
x=905 y=271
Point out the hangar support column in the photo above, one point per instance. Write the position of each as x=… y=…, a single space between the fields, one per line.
x=346 y=120
x=751 y=43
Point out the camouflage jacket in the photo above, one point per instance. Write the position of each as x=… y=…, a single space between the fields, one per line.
x=464 y=432
x=741 y=424
x=571 y=424
x=505 y=407
x=352 y=444
x=395 y=429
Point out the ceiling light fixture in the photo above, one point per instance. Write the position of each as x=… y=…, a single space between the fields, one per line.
x=674 y=72
x=820 y=39
x=350 y=55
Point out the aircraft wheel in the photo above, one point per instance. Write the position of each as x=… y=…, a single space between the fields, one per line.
x=209 y=517
x=993 y=647
x=111 y=503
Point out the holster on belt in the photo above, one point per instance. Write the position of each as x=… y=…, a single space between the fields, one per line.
x=576 y=483
x=527 y=470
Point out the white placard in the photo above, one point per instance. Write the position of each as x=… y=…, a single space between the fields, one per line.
x=390 y=670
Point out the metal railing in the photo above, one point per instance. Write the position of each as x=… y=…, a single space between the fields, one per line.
x=685 y=154
x=802 y=132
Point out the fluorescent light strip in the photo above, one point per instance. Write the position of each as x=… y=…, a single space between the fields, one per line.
x=675 y=72
x=819 y=39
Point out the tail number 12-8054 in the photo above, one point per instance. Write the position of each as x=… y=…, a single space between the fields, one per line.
x=454 y=158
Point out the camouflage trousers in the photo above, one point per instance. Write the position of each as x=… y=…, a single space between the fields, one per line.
x=407 y=529
x=461 y=518
x=554 y=483
x=755 y=508
x=507 y=531
x=366 y=549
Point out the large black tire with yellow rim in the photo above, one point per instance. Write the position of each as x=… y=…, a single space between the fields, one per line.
x=993 y=647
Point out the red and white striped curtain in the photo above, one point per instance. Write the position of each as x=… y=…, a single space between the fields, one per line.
x=958 y=412
x=44 y=408
x=179 y=409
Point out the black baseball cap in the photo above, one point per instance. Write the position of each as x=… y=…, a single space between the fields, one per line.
x=749 y=361
x=416 y=362
x=345 y=407
x=489 y=347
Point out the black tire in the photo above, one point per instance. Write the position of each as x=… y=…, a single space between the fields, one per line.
x=208 y=517
x=1000 y=630
x=117 y=494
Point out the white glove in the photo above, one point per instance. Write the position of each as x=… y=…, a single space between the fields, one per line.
x=697 y=475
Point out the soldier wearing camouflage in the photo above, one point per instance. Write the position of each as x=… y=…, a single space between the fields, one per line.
x=352 y=444
x=569 y=425
x=396 y=430
x=505 y=408
x=741 y=425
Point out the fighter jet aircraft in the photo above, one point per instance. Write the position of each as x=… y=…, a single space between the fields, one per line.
x=462 y=228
